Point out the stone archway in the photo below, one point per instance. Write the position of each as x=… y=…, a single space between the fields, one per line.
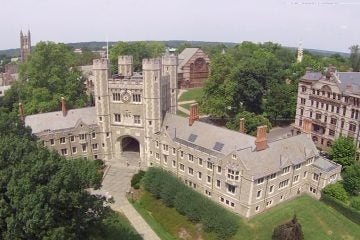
x=129 y=150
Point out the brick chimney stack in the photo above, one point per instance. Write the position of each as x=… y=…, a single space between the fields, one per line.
x=21 y=112
x=242 y=125
x=307 y=124
x=63 y=107
x=194 y=113
x=261 y=138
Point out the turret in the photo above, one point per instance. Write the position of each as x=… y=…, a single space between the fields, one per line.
x=169 y=68
x=125 y=65
x=101 y=71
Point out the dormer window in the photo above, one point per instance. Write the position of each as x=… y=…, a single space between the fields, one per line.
x=233 y=156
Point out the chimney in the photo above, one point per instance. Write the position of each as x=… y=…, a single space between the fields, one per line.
x=21 y=112
x=242 y=125
x=63 y=107
x=194 y=113
x=307 y=124
x=261 y=138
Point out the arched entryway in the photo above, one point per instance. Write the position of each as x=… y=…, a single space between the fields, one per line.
x=130 y=144
x=129 y=151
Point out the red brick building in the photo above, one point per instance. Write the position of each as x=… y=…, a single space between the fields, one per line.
x=193 y=68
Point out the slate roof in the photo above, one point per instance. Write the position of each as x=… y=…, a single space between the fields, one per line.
x=185 y=56
x=207 y=136
x=325 y=165
x=312 y=76
x=56 y=121
x=279 y=154
x=349 y=81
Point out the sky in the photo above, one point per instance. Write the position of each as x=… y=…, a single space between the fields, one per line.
x=327 y=24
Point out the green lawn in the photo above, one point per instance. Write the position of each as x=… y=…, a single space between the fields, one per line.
x=191 y=94
x=115 y=226
x=318 y=221
x=167 y=222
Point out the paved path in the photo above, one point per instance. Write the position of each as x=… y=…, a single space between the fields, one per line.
x=186 y=102
x=116 y=183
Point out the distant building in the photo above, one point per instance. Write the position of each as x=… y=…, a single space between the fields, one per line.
x=25 y=46
x=332 y=102
x=300 y=53
x=193 y=68
x=134 y=122
x=3 y=89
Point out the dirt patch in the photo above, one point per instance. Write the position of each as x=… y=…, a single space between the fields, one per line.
x=183 y=234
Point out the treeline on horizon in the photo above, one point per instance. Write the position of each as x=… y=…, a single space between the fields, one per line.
x=94 y=45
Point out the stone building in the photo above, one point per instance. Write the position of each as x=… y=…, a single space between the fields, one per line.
x=73 y=133
x=193 y=68
x=332 y=101
x=134 y=122
x=25 y=46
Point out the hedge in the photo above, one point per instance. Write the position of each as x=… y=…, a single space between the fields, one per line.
x=196 y=207
x=349 y=212
x=135 y=180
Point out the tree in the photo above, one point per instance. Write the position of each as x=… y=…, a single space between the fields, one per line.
x=280 y=101
x=43 y=195
x=139 y=51
x=288 y=231
x=252 y=121
x=351 y=176
x=86 y=57
x=48 y=75
x=337 y=191
x=355 y=58
x=343 y=151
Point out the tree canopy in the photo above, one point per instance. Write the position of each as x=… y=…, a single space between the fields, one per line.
x=43 y=195
x=139 y=51
x=49 y=74
x=343 y=151
x=355 y=58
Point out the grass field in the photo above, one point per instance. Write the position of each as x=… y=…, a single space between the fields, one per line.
x=318 y=221
x=115 y=226
x=191 y=94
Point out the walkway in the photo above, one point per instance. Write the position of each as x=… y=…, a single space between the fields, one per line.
x=116 y=183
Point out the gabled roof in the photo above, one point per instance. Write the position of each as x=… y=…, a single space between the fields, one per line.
x=214 y=140
x=349 y=81
x=312 y=76
x=53 y=121
x=185 y=56
x=220 y=142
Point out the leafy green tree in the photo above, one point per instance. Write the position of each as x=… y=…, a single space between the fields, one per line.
x=139 y=51
x=86 y=57
x=43 y=195
x=288 y=231
x=351 y=177
x=252 y=121
x=280 y=101
x=337 y=191
x=343 y=151
x=48 y=75
x=355 y=58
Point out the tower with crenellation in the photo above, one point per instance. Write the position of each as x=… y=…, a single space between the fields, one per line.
x=25 y=46
x=131 y=106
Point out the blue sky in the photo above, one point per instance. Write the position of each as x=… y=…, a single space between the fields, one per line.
x=329 y=25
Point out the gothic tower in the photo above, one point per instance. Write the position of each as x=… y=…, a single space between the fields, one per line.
x=101 y=71
x=125 y=65
x=300 y=53
x=25 y=46
x=169 y=67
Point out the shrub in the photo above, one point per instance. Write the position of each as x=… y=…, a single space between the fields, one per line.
x=355 y=203
x=336 y=191
x=290 y=230
x=196 y=207
x=135 y=180
x=351 y=178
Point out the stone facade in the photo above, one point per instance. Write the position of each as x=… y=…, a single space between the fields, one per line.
x=25 y=46
x=332 y=101
x=193 y=68
x=136 y=113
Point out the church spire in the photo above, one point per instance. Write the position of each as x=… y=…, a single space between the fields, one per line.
x=300 y=53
